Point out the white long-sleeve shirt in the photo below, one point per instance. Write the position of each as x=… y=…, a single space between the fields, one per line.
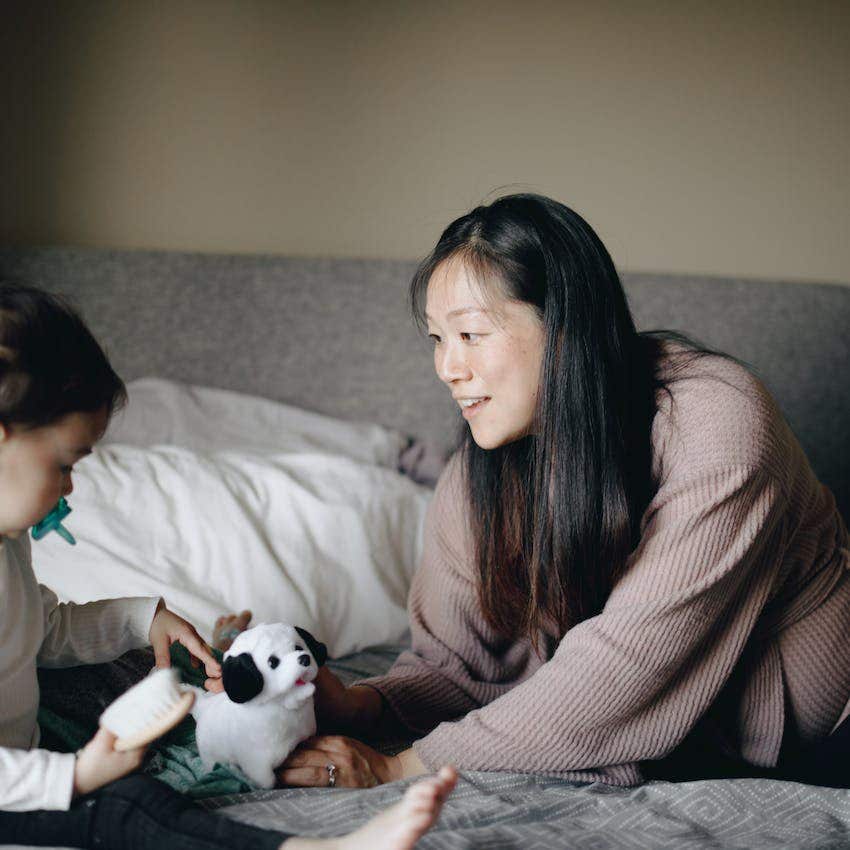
x=37 y=630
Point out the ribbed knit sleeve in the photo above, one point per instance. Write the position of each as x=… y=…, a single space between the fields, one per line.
x=628 y=684
x=457 y=663
x=94 y=632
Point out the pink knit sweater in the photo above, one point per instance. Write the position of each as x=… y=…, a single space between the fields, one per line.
x=734 y=610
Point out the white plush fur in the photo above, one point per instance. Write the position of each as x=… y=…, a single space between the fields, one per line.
x=259 y=734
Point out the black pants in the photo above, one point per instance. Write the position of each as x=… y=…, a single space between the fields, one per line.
x=826 y=763
x=134 y=812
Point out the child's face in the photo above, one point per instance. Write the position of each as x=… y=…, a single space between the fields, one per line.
x=489 y=353
x=36 y=465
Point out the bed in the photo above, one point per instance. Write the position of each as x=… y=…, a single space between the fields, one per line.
x=282 y=396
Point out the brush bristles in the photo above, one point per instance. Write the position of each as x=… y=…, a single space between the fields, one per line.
x=147 y=705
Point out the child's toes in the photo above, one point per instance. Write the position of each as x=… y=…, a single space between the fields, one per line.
x=423 y=795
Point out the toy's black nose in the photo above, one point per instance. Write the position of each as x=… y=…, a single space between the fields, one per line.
x=241 y=679
x=304 y=660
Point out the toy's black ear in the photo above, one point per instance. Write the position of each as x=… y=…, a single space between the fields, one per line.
x=241 y=679
x=317 y=649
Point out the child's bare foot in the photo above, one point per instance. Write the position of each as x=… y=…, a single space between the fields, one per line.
x=399 y=827
x=227 y=628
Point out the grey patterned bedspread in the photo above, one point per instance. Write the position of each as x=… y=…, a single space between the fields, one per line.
x=509 y=811
x=513 y=811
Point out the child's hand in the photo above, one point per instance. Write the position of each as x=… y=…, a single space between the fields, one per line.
x=98 y=763
x=167 y=628
x=215 y=686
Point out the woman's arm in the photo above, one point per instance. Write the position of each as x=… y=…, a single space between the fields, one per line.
x=404 y=765
x=457 y=662
x=630 y=683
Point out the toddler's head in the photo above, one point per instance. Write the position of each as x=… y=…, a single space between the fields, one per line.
x=57 y=392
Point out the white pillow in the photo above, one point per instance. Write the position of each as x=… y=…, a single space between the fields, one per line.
x=161 y=412
x=316 y=539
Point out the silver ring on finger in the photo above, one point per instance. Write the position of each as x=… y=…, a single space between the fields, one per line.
x=331 y=769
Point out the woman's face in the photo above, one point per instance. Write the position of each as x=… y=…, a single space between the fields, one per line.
x=36 y=466
x=488 y=352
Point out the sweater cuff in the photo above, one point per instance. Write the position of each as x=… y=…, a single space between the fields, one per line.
x=59 y=781
x=140 y=614
x=448 y=744
x=434 y=753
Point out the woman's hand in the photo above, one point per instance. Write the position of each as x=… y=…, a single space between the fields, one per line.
x=98 y=763
x=357 y=765
x=167 y=628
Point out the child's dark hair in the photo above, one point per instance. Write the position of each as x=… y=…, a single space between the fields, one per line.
x=50 y=364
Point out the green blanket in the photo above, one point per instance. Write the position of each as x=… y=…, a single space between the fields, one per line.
x=173 y=758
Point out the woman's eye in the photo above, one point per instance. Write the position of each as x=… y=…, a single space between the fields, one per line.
x=470 y=337
x=434 y=338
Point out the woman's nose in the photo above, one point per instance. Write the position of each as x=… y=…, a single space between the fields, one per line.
x=451 y=365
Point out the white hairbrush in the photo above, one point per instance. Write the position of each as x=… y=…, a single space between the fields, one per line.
x=147 y=710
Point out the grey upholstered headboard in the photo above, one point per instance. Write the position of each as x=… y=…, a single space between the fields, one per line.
x=336 y=335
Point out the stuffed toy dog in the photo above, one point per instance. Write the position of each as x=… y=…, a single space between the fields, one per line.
x=266 y=708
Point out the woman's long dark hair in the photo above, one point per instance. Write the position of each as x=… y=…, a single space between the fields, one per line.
x=556 y=515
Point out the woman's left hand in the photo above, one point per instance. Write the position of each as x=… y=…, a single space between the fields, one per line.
x=166 y=628
x=357 y=765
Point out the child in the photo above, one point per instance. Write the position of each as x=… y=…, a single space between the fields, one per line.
x=57 y=392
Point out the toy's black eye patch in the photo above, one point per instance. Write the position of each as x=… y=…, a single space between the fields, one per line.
x=273 y=661
x=299 y=648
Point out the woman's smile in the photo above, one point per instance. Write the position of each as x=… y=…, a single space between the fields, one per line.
x=471 y=406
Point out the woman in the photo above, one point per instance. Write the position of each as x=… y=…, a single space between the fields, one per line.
x=629 y=570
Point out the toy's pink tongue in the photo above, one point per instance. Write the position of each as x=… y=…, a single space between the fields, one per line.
x=300 y=682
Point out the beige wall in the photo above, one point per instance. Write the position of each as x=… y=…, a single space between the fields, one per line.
x=695 y=136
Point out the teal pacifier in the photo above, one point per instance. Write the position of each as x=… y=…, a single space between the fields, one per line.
x=53 y=522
